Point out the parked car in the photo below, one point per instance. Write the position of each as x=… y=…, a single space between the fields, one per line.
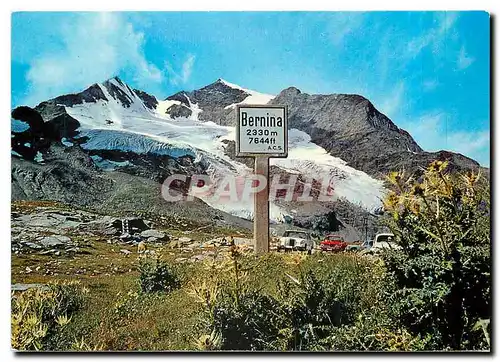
x=353 y=246
x=367 y=244
x=296 y=240
x=333 y=243
x=384 y=241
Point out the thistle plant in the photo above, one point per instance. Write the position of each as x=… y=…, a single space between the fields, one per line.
x=209 y=342
x=40 y=315
x=441 y=220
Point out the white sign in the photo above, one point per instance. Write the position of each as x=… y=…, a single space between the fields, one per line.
x=262 y=130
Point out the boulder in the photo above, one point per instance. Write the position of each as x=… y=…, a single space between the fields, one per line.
x=33 y=245
x=54 y=241
x=126 y=237
x=106 y=225
x=19 y=287
x=135 y=223
x=109 y=225
x=160 y=236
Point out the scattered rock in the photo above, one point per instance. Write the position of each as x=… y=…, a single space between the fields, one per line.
x=126 y=237
x=55 y=241
x=185 y=239
x=33 y=246
x=107 y=225
x=125 y=251
x=155 y=234
x=19 y=287
x=50 y=251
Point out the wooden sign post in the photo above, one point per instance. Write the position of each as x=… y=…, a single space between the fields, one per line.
x=262 y=133
x=261 y=208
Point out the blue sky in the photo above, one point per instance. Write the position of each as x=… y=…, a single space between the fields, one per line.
x=427 y=71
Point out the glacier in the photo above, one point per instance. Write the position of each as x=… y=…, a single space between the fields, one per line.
x=109 y=125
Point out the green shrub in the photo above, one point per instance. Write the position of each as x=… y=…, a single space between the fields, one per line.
x=39 y=316
x=311 y=308
x=373 y=331
x=157 y=276
x=251 y=325
x=313 y=296
x=134 y=304
x=127 y=305
x=442 y=273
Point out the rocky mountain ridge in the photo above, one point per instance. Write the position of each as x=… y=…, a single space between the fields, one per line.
x=120 y=133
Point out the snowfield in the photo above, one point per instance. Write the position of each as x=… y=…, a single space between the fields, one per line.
x=253 y=98
x=310 y=159
x=111 y=126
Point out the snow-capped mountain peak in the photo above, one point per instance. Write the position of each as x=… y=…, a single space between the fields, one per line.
x=113 y=117
x=235 y=86
x=253 y=97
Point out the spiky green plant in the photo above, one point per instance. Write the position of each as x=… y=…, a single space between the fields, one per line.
x=39 y=314
x=442 y=273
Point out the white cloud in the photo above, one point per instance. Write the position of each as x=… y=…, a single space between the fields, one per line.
x=429 y=85
x=184 y=74
x=343 y=24
x=416 y=45
x=433 y=132
x=435 y=37
x=96 y=46
x=391 y=106
x=187 y=67
x=464 y=61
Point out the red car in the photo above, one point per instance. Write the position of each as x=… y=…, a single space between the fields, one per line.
x=333 y=243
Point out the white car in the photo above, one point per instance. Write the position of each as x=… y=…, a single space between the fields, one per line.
x=384 y=241
x=296 y=240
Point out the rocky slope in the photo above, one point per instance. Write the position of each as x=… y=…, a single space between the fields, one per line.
x=68 y=175
x=347 y=126
x=350 y=127
x=217 y=100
